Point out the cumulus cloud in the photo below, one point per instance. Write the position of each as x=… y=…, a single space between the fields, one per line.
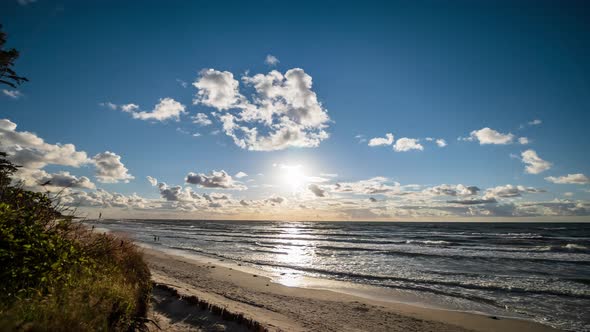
x=490 y=136
x=509 y=190
x=406 y=144
x=451 y=190
x=167 y=108
x=30 y=151
x=105 y=199
x=473 y=201
x=284 y=111
x=569 y=179
x=372 y=186
x=240 y=175
x=379 y=141
x=40 y=180
x=523 y=140
x=534 y=164
x=67 y=180
x=177 y=193
x=152 y=181
x=441 y=143
x=271 y=60
x=110 y=169
x=217 y=89
x=14 y=94
x=128 y=108
x=217 y=179
x=201 y=119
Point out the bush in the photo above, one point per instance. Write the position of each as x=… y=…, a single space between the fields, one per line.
x=57 y=274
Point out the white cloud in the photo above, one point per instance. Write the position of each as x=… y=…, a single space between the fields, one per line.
x=441 y=143
x=110 y=169
x=534 y=164
x=578 y=178
x=33 y=153
x=14 y=94
x=128 y=108
x=452 y=190
x=67 y=180
x=167 y=108
x=271 y=60
x=473 y=201
x=39 y=180
x=109 y=105
x=103 y=198
x=406 y=144
x=372 y=186
x=217 y=179
x=379 y=141
x=201 y=119
x=151 y=180
x=490 y=136
x=240 y=175
x=284 y=111
x=509 y=190
x=177 y=193
x=523 y=140
x=217 y=89
x=30 y=151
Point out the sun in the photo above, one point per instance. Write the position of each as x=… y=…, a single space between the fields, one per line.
x=294 y=177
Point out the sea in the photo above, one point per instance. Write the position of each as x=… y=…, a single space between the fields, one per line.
x=536 y=271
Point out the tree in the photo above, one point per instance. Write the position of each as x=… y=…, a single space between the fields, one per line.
x=7 y=57
x=7 y=168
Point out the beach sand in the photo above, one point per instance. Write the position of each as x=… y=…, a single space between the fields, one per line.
x=274 y=307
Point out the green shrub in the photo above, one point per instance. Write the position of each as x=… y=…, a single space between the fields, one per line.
x=57 y=274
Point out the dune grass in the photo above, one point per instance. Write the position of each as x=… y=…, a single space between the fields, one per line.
x=56 y=274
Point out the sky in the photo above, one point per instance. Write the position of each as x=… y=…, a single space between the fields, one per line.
x=392 y=110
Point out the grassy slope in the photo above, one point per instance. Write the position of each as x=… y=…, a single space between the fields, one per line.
x=58 y=275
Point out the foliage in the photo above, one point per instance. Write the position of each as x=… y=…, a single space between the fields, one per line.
x=56 y=273
x=7 y=58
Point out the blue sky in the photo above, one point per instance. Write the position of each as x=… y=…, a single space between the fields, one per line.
x=417 y=69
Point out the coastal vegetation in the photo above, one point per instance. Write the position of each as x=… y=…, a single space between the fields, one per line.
x=56 y=272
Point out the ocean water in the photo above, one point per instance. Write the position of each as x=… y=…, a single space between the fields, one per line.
x=538 y=271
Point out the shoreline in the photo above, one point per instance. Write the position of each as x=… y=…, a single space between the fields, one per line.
x=283 y=308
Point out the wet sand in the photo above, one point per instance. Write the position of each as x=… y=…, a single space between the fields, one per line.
x=277 y=307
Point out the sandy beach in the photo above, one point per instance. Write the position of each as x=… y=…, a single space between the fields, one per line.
x=280 y=308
